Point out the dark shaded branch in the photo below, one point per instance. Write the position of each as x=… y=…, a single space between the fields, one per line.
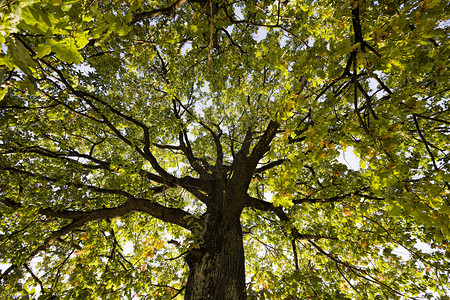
x=158 y=179
x=433 y=119
x=85 y=95
x=373 y=280
x=244 y=166
x=345 y=73
x=381 y=83
x=233 y=42
x=178 y=256
x=35 y=277
x=55 y=235
x=263 y=144
x=65 y=156
x=294 y=250
x=69 y=107
x=187 y=149
x=296 y=140
x=100 y=164
x=71 y=244
x=59 y=268
x=4 y=274
x=245 y=147
x=171 y=215
x=368 y=100
x=267 y=206
x=333 y=258
x=269 y=166
x=322 y=200
x=357 y=25
x=178 y=293
x=216 y=138
x=191 y=184
x=12 y=204
x=355 y=97
x=158 y=12
x=372 y=49
x=335 y=198
x=169 y=147
x=345 y=278
x=79 y=218
x=185 y=144
x=77 y=185
x=425 y=142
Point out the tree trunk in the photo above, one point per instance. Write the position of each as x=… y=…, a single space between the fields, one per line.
x=217 y=268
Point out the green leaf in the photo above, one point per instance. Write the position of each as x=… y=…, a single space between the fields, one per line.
x=42 y=50
x=3 y=92
x=67 y=51
x=20 y=56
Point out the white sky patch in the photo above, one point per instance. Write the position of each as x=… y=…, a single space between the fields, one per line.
x=261 y=34
x=349 y=158
x=84 y=68
x=402 y=252
x=128 y=248
x=186 y=47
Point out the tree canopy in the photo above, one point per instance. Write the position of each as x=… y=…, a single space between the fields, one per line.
x=190 y=149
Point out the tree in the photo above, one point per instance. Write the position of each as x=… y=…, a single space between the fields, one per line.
x=190 y=149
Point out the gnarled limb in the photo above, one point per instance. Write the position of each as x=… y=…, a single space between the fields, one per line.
x=171 y=215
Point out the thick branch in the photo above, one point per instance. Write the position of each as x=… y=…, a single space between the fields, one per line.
x=66 y=156
x=322 y=200
x=191 y=184
x=357 y=25
x=34 y=277
x=425 y=142
x=86 y=96
x=267 y=206
x=76 y=185
x=185 y=144
x=433 y=119
x=144 y=128
x=269 y=166
x=170 y=215
x=158 y=12
x=100 y=164
x=335 y=198
x=332 y=257
x=263 y=144
x=245 y=148
x=216 y=138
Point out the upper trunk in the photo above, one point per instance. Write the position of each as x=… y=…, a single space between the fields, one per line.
x=217 y=267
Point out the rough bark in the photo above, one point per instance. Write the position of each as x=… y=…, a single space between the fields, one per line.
x=217 y=268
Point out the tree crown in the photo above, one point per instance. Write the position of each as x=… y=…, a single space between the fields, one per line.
x=121 y=121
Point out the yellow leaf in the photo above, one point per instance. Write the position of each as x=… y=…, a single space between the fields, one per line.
x=346 y=213
x=149 y=253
